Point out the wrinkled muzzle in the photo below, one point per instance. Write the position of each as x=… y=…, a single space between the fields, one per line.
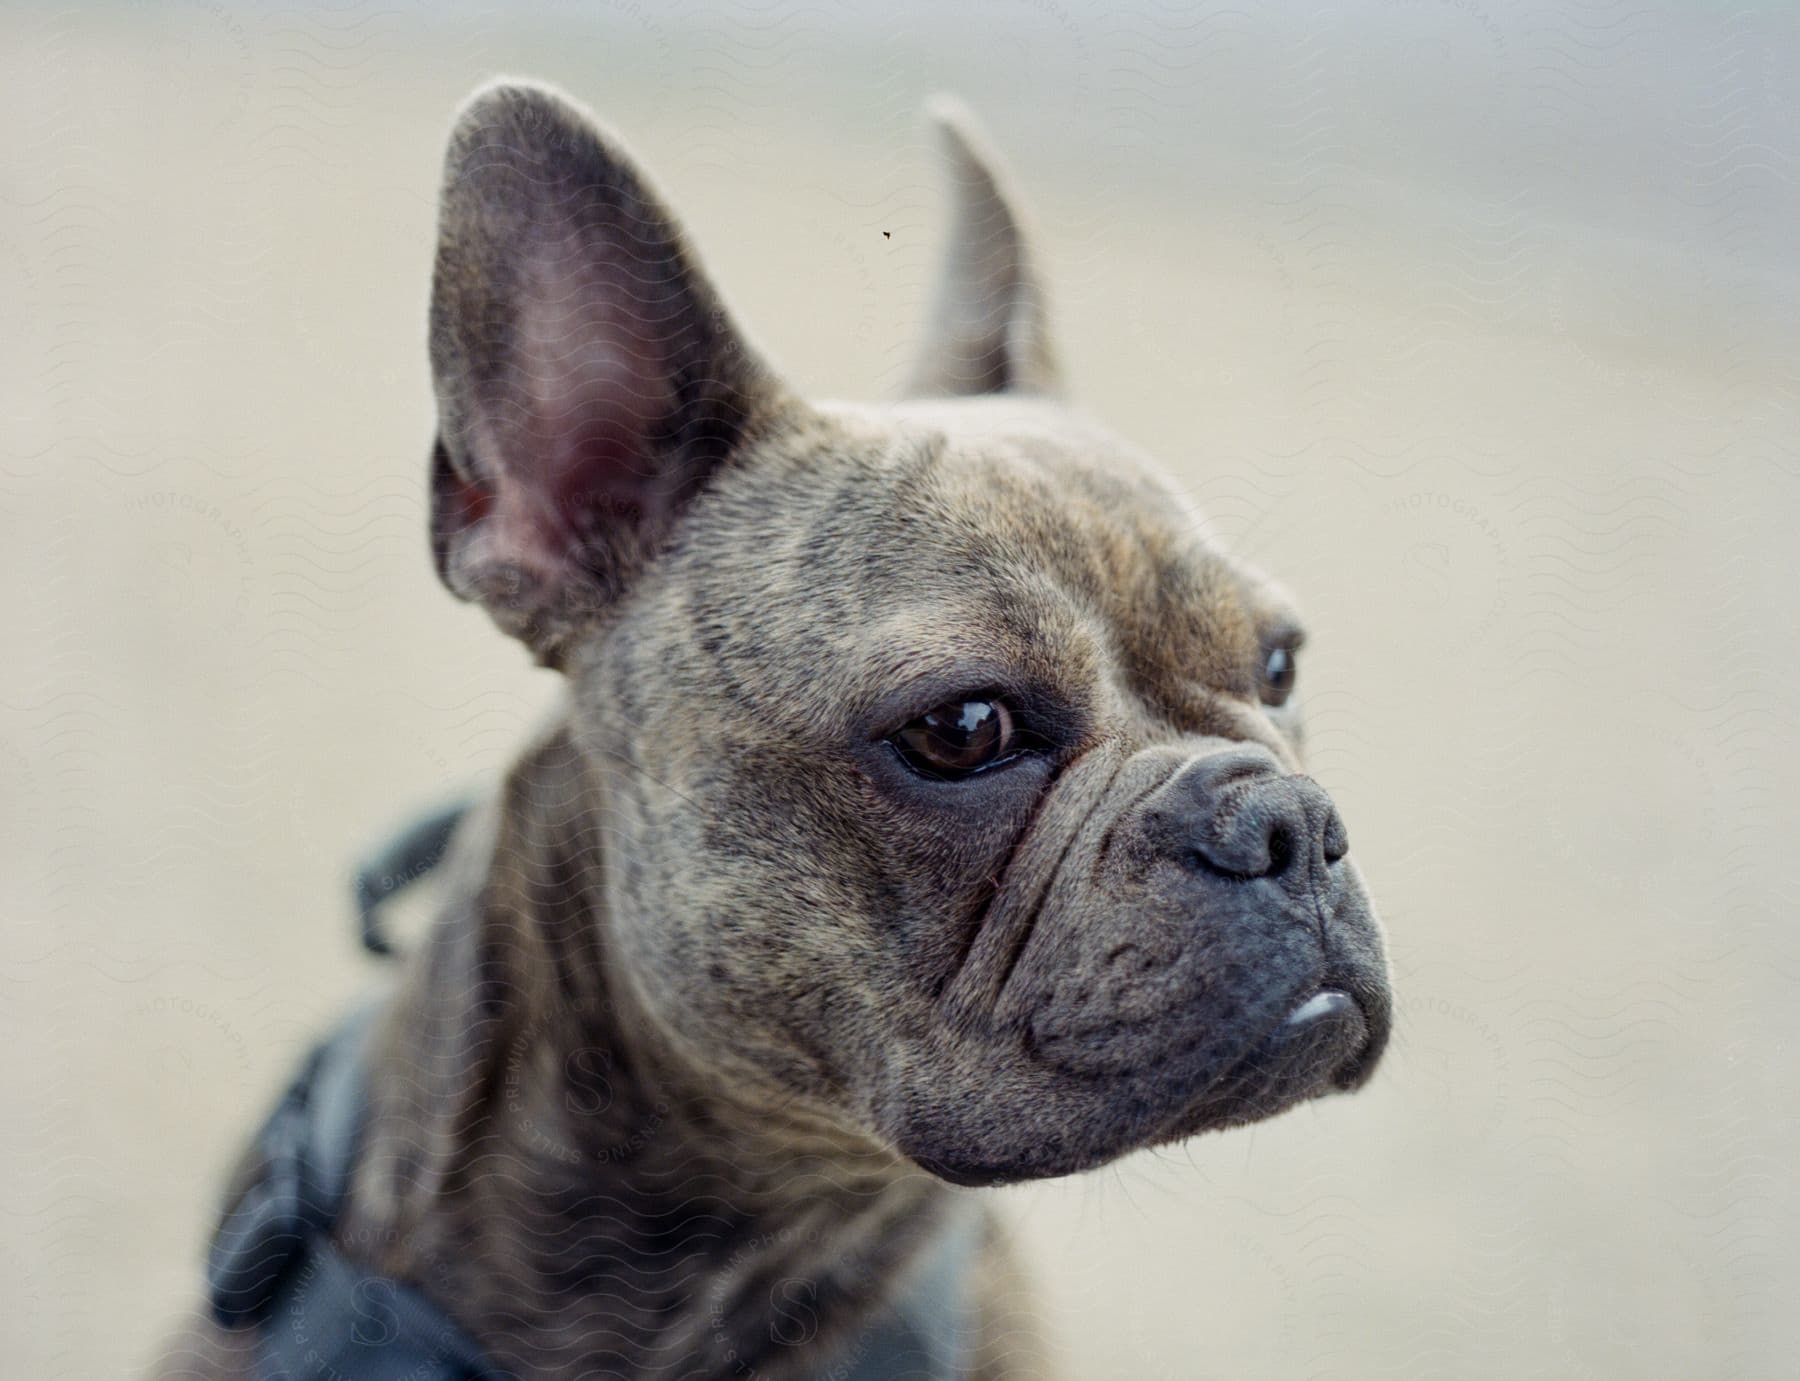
x=1180 y=943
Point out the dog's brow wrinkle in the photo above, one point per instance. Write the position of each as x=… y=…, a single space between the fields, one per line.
x=1029 y=923
x=1123 y=816
x=977 y=919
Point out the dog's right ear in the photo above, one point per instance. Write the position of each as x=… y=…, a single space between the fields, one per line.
x=587 y=376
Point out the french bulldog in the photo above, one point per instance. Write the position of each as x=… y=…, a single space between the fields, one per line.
x=925 y=812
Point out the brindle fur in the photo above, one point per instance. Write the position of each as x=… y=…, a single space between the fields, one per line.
x=721 y=997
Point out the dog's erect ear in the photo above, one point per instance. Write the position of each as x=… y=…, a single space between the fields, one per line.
x=989 y=330
x=588 y=379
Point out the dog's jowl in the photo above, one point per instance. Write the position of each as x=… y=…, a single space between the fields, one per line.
x=925 y=811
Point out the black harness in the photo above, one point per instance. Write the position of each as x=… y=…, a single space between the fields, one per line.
x=273 y=1265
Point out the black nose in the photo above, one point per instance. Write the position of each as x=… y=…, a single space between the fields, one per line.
x=1236 y=814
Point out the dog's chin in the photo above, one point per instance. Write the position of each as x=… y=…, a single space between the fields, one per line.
x=1329 y=1043
x=1325 y=1045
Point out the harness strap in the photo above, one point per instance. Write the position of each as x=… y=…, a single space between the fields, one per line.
x=333 y=1321
x=272 y=1262
x=402 y=859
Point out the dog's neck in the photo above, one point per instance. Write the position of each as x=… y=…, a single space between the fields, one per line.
x=575 y=1193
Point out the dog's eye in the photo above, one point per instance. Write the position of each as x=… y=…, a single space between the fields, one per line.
x=1278 y=671
x=958 y=738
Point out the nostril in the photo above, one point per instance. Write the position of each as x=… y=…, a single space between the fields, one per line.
x=1337 y=840
x=1281 y=849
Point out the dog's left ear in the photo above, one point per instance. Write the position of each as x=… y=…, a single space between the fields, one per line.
x=989 y=330
x=588 y=379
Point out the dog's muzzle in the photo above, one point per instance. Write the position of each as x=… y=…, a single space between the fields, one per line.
x=1204 y=955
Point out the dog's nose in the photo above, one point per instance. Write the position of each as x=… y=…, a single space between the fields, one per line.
x=1236 y=814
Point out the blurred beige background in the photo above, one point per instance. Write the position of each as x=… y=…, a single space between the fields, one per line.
x=1477 y=325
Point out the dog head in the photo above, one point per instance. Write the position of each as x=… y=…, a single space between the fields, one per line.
x=948 y=773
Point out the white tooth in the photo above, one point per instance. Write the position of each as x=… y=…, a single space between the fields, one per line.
x=1316 y=1005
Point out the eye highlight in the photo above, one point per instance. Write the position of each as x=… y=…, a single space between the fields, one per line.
x=958 y=739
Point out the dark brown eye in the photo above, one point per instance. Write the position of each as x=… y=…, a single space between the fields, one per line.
x=958 y=738
x=1278 y=672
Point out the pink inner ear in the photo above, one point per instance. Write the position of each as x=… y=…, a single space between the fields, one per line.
x=569 y=440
